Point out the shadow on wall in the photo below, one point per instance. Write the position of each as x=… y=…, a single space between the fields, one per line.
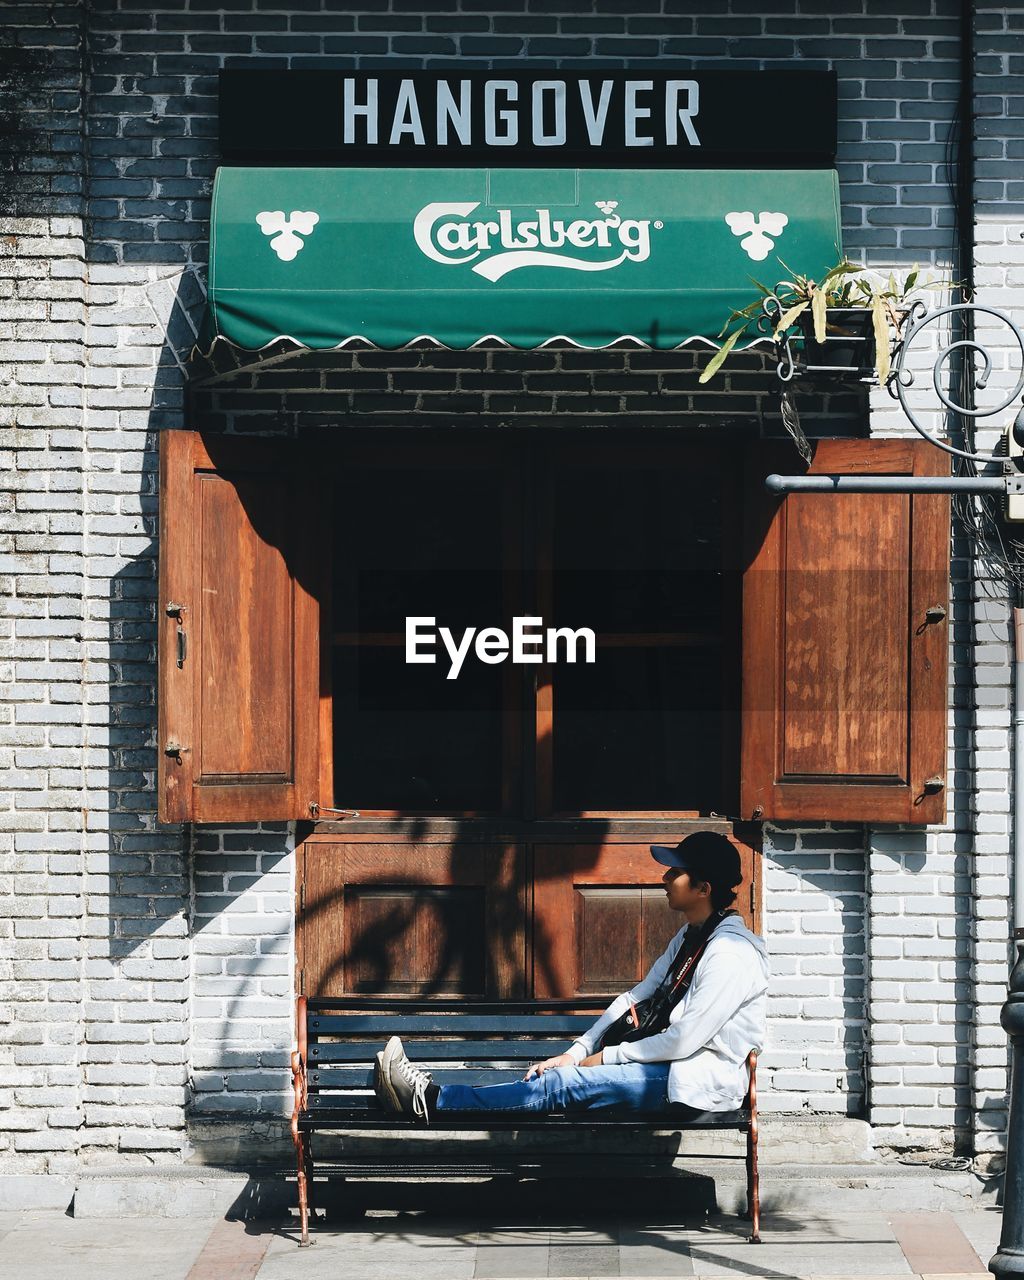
x=148 y=887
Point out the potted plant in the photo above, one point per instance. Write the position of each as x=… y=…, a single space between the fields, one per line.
x=848 y=321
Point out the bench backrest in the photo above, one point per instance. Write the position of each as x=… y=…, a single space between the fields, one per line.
x=457 y=1041
x=466 y=1042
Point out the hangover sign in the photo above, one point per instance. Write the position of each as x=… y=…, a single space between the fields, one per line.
x=639 y=119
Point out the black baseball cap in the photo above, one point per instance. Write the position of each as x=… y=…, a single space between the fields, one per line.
x=706 y=855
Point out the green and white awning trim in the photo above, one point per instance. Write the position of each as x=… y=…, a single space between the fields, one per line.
x=328 y=258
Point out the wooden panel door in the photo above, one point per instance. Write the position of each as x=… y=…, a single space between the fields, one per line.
x=845 y=644
x=600 y=917
x=398 y=919
x=238 y=643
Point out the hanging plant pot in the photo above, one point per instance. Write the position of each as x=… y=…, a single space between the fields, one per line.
x=849 y=347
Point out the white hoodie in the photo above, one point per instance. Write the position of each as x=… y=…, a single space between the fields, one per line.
x=711 y=1030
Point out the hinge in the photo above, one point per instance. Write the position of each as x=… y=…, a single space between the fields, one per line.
x=753 y=901
x=302 y=897
x=302 y=982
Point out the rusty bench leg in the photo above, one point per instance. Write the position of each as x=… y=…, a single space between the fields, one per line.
x=303 y=1149
x=753 y=1189
x=304 y=1178
x=753 y=1186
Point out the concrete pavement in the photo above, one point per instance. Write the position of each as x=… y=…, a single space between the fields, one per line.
x=478 y=1244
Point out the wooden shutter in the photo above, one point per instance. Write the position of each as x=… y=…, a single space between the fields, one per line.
x=237 y=626
x=844 y=647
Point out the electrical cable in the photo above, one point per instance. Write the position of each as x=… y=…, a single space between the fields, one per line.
x=999 y=553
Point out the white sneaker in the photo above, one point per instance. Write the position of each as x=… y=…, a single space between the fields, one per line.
x=403 y=1086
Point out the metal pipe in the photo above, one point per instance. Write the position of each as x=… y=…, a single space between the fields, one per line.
x=1018 y=773
x=885 y=484
x=1008 y=1260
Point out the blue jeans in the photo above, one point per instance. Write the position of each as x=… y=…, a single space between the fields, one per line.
x=633 y=1086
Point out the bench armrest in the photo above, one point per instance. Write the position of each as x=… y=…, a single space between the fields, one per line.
x=301 y=1088
x=300 y=1081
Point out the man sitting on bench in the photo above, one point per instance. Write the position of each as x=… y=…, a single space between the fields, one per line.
x=678 y=1041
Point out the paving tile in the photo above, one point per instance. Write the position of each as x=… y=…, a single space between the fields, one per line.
x=809 y=1231
x=68 y=1249
x=232 y=1251
x=511 y=1236
x=511 y=1261
x=653 y=1261
x=382 y=1261
x=934 y=1243
x=583 y=1260
x=982 y=1227
x=793 y=1260
x=422 y=1227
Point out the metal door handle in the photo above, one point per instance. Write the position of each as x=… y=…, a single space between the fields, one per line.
x=175 y=610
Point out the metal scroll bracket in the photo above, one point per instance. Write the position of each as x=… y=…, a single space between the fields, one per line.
x=902 y=383
x=978 y=366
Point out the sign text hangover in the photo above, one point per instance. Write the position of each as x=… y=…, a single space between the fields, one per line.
x=543 y=113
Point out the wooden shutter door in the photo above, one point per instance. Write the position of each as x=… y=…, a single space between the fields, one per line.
x=845 y=637
x=237 y=627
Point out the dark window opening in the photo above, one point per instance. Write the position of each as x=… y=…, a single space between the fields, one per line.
x=625 y=540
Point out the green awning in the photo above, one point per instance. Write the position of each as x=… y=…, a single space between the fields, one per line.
x=326 y=256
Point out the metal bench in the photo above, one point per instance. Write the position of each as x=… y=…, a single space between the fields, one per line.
x=466 y=1042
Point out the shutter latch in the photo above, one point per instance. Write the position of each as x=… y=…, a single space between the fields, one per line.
x=316 y=810
x=933 y=784
x=175 y=749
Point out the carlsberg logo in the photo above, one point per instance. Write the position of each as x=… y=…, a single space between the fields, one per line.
x=498 y=245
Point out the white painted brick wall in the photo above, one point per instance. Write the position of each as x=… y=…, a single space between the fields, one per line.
x=42 y=354
x=920 y=986
x=814 y=906
x=242 y=1024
